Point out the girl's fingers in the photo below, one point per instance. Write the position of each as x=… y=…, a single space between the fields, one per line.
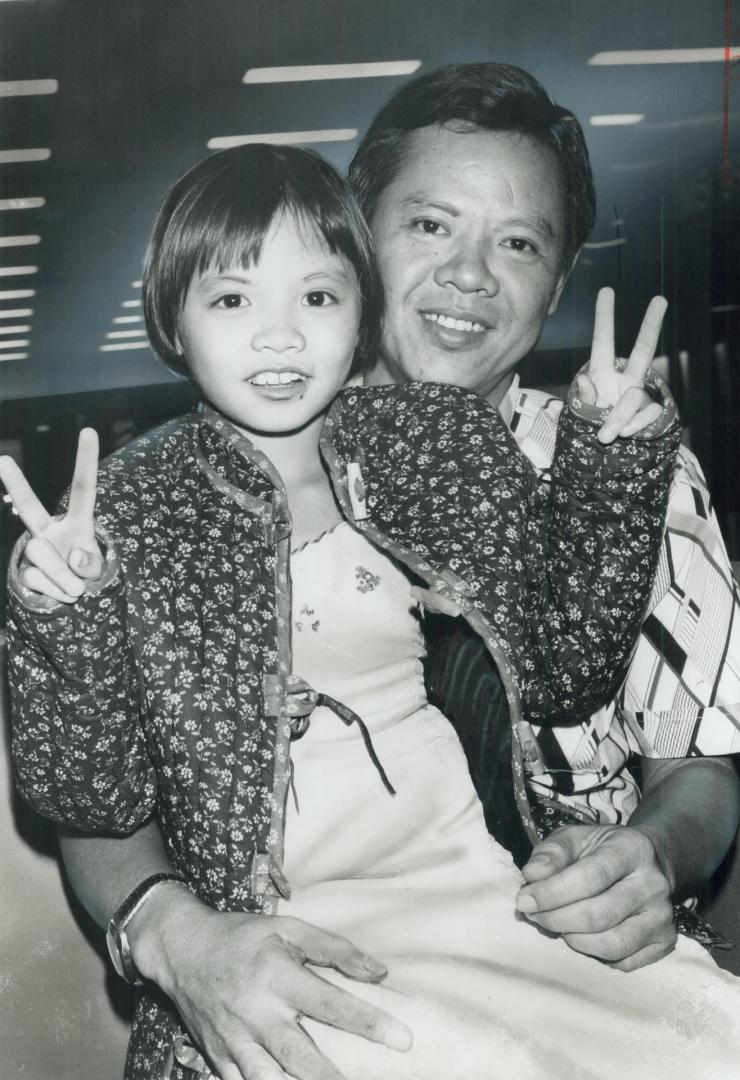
x=434 y=601
x=81 y=508
x=647 y=340
x=86 y=564
x=641 y=420
x=37 y=581
x=40 y=554
x=28 y=507
x=602 y=345
x=632 y=403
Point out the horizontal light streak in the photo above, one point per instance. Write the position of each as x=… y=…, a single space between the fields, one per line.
x=28 y=87
x=19 y=241
x=660 y=56
x=131 y=303
x=17 y=271
x=124 y=345
x=722 y=309
x=14 y=329
x=309 y=72
x=599 y=245
x=16 y=313
x=616 y=119
x=136 y=284
x=128 y=318
x=125 y=333
x=16 y=343
x=12 y=157
x=14 y=356
x=283 y=138
x=16 y=294
x=22 y=204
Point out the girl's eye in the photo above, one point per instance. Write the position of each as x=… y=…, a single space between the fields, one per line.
x=231 y=301
x=319 y=298
x=429 y=227
x=519 y=244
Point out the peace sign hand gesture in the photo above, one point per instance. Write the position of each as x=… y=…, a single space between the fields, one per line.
x=62 y=555
x=623 y=392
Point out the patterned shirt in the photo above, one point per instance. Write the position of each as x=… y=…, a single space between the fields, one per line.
x=681 y=697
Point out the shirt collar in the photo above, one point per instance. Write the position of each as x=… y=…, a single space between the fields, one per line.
x=507 y=405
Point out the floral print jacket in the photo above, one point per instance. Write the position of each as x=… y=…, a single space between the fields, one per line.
x=168 y=689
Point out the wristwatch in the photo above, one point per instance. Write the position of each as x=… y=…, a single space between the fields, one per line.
x=116 y=936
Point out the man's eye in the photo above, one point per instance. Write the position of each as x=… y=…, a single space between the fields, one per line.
x=429 y=227
x=231 y=301
x=518 y=243
x=319 y=298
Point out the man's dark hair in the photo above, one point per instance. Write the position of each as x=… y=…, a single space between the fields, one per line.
x=491 y=97
x=219 y=213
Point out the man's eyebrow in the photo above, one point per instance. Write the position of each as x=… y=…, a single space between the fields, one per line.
x=542 y=225
x=420 y=200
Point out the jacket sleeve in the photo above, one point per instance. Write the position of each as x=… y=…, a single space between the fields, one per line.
x=591 y=552
x=79 y=752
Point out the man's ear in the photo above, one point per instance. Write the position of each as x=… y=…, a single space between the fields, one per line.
x=555 y=300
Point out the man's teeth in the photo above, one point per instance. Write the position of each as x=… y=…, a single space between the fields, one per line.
x=276 y=378
x=454 y=324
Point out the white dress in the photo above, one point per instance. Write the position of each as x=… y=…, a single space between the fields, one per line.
x=417 y=881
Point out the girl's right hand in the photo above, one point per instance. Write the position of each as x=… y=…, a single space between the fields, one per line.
x=241 y=985
x=62 y=554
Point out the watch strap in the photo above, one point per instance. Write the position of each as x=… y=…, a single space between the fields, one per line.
x=117 y=938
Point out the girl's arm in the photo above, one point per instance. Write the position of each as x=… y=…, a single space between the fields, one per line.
x=78 y=749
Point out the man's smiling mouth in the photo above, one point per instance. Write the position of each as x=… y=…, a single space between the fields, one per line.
x=450 y=323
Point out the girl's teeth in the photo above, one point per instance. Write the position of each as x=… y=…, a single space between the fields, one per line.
x=275 y=378
x=455 y=324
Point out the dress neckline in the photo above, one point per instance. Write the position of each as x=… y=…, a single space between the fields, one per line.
x=317 y=539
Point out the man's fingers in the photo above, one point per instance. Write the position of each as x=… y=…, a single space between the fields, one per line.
x=649 y=955
x=647 y=339
x=324 y=949
x=595 y=914
x=319 y=999
x=254 y=1064
x=625 y=941
x=292 y=1049
x=40 y=554
x=602 y=345
x=28 y=507
x=81 y=507
x=588 y=877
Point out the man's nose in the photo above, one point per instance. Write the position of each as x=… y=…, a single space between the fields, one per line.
x=469 y=269
x=278 y=333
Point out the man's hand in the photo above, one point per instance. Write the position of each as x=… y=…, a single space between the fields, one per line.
x=241 y=985
x=602 y=888
x=62 y=553
x=632 y=408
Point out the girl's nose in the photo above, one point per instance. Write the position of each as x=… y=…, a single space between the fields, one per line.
x=278 y=335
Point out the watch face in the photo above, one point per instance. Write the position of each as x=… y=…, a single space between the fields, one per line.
x=113 y=940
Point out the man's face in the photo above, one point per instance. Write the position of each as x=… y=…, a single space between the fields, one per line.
x=469 y=238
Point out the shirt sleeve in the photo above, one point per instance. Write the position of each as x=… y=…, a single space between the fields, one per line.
x=681 y=696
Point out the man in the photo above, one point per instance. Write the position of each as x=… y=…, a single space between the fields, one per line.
x=479 y=195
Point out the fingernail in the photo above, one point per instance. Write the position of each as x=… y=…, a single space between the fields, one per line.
x=374 y=967
x=526 y=903
x=81 y=557
x=398 y=1037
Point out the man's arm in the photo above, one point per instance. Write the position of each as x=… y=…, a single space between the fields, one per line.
x=609 y=889
x=238 y=980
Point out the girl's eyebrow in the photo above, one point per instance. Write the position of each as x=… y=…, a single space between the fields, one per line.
x=240 y=279
x=331 y=275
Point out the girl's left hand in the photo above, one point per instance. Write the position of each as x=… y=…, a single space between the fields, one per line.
x=632 y=408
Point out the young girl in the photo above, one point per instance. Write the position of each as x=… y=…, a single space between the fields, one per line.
x=223 y=638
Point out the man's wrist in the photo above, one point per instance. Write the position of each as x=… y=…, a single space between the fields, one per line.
x=142 y=930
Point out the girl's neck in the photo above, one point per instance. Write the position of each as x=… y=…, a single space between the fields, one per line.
x=294 y=454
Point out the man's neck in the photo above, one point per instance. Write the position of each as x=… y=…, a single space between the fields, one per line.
x=381 y=376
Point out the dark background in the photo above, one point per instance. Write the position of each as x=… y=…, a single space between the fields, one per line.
x=144 y=84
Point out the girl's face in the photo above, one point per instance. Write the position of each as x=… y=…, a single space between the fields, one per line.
x=271 y=345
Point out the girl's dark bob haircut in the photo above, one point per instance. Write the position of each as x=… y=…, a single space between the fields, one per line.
x=218 y=214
